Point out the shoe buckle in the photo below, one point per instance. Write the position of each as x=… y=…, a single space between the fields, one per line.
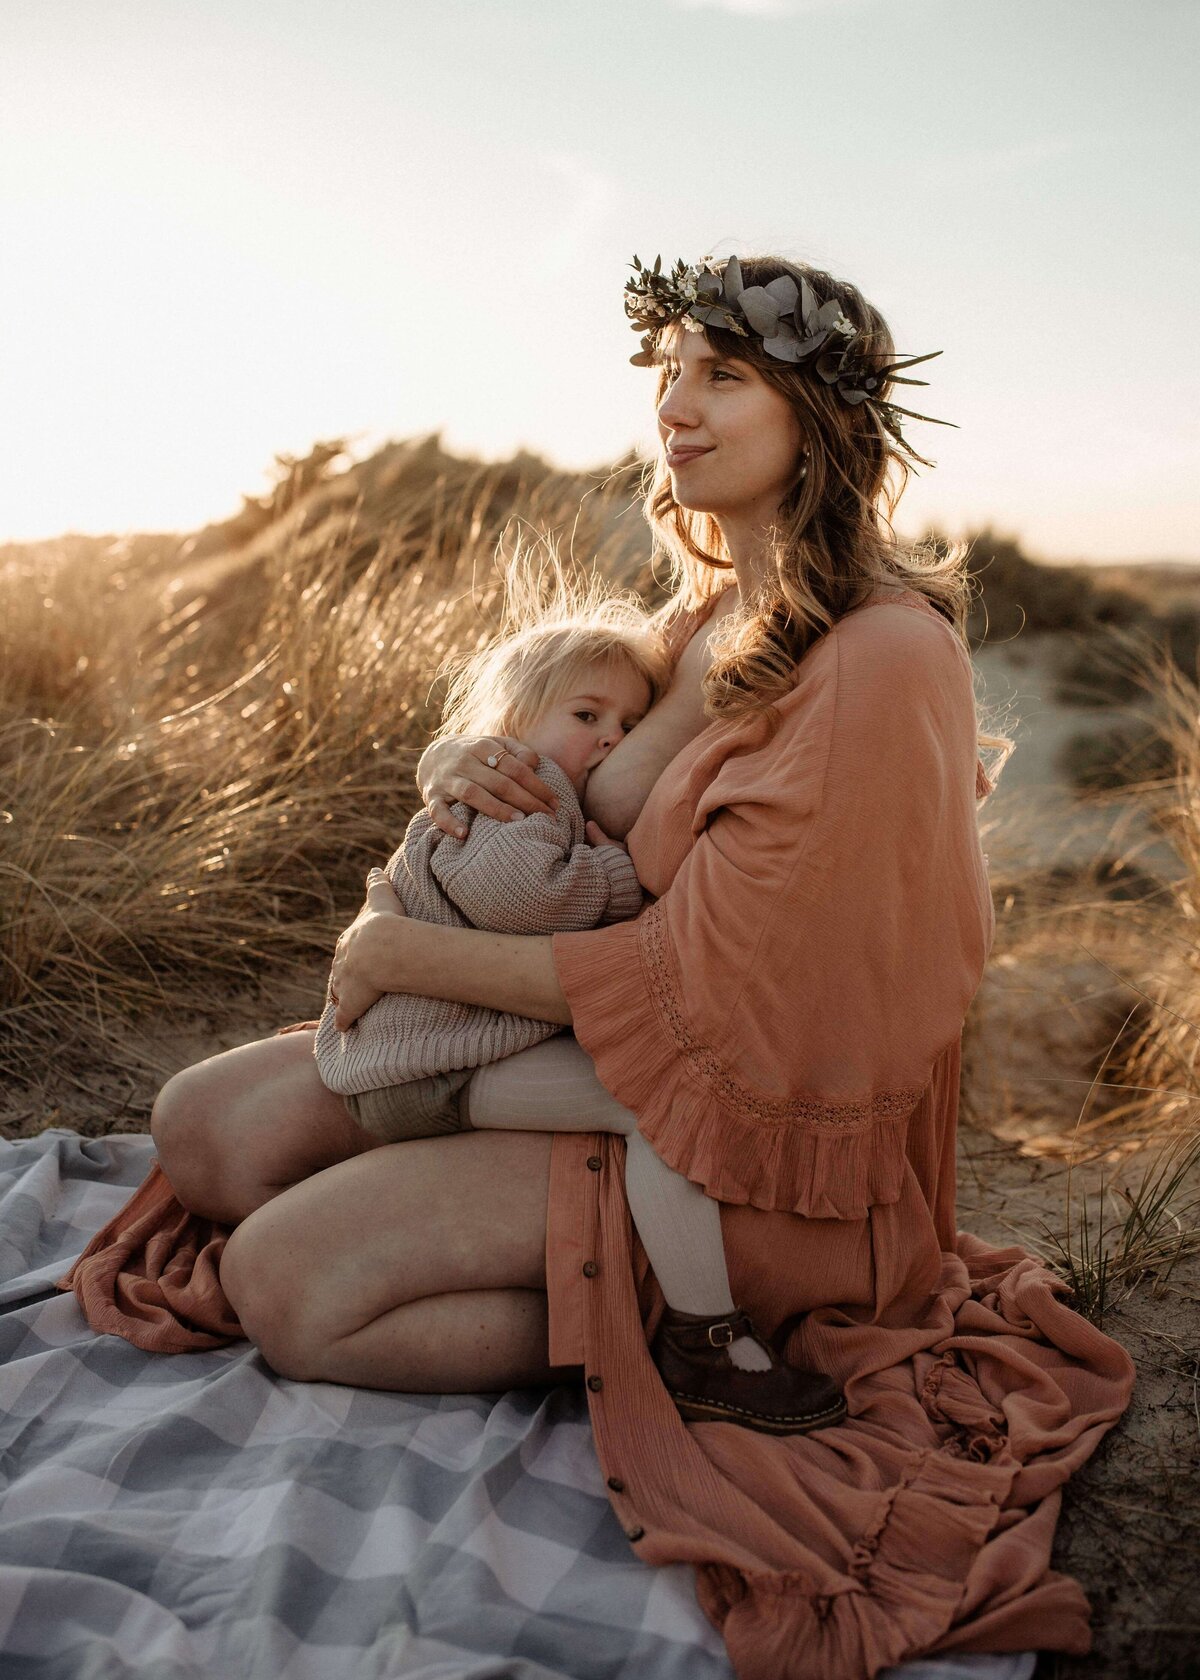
x=720 y=1335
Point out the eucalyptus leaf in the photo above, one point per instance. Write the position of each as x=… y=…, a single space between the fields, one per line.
x=850 y=395
x=713 y=315
x=784 y=349
x=807 y=306
x=733 y=281
x=760 y=309
x=785 y=291
x=809 y=346
x=828 y=313
x=709 y=285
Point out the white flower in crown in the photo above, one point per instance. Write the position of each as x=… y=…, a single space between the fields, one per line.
x=690 y=324
x=845 y=327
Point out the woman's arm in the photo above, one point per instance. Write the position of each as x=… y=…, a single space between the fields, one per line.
x=383 y=950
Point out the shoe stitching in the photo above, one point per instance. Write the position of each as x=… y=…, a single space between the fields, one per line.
x=744 y=1411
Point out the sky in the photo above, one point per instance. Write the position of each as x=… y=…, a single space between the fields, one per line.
x=230 y=228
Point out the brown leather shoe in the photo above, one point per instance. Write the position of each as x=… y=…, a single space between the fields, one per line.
x=708 y=1387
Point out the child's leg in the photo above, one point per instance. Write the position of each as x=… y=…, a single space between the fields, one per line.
x=553 y=1087
x=734 y=1378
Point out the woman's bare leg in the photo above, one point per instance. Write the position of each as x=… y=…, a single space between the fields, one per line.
x=421 y=1270
x=235 y=1130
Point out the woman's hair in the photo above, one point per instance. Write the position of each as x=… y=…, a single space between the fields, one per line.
x=553 y=627
x=833 y=542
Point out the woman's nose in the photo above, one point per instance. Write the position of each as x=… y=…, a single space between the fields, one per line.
x=675 y=410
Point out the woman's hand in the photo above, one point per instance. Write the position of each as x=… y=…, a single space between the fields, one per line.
x=459 y=769
x=364 y=952
x=384 y=951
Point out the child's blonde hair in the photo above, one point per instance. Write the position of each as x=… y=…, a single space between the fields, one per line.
x=553 y=627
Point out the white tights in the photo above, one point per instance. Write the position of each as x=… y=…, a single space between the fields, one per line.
x=553 y=1087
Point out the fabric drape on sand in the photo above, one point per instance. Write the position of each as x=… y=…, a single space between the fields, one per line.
x=786 y=1021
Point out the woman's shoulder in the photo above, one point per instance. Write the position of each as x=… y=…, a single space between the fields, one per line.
x=894 y=652
x=898 y=632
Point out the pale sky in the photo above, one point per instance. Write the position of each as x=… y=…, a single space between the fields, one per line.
x=229 y=228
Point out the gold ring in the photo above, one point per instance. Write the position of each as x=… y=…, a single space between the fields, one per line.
x=493 y=759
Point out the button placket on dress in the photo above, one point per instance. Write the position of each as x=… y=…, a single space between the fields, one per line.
x=592 y=1304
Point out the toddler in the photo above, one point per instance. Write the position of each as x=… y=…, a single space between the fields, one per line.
x=571 y=687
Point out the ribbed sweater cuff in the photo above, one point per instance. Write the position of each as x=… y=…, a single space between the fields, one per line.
x=625 y=897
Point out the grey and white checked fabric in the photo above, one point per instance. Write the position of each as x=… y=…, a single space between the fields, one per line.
x=185 y=1517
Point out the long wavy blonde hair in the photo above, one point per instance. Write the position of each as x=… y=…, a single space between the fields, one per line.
x=833 y=542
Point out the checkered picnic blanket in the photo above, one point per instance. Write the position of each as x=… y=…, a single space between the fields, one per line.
x=177 y=1518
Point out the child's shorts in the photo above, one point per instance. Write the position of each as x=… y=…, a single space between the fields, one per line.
x=420 y=1108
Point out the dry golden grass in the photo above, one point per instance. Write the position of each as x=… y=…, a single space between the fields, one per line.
x=1092 y=1006
x=199 y=764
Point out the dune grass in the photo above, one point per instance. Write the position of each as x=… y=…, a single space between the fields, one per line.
x=199 y=761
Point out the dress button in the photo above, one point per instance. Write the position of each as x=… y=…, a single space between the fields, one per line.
x=590 y=1268
x=635 y=1533
x=595 y=1384
x=594 y=1163
x=616 y=1484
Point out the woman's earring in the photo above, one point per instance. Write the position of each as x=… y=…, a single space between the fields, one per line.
x=803 y=473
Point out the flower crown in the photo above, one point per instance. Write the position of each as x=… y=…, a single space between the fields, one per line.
x=784 y=314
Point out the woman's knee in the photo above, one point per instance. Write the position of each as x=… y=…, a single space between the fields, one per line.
x=181 y=1126
x=263 y=1294
x=420 y=1219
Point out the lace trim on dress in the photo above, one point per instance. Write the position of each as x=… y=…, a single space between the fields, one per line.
x=705 y=1065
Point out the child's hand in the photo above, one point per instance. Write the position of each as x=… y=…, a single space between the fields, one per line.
x=596 y=836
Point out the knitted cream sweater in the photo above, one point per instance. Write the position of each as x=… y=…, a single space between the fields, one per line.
x=533 y=876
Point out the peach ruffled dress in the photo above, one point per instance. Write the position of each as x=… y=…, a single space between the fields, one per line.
x=785 y=1021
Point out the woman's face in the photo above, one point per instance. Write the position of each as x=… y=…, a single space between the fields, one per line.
x=733 y=442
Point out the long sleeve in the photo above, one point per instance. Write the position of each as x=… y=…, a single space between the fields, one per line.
x=774 y=1018
x=537 y=875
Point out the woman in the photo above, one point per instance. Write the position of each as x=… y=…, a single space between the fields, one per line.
x=784 y=1022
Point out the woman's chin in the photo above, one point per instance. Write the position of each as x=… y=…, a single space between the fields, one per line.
x=690 y=497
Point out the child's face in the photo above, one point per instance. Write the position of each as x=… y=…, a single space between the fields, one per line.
x=580 y=730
